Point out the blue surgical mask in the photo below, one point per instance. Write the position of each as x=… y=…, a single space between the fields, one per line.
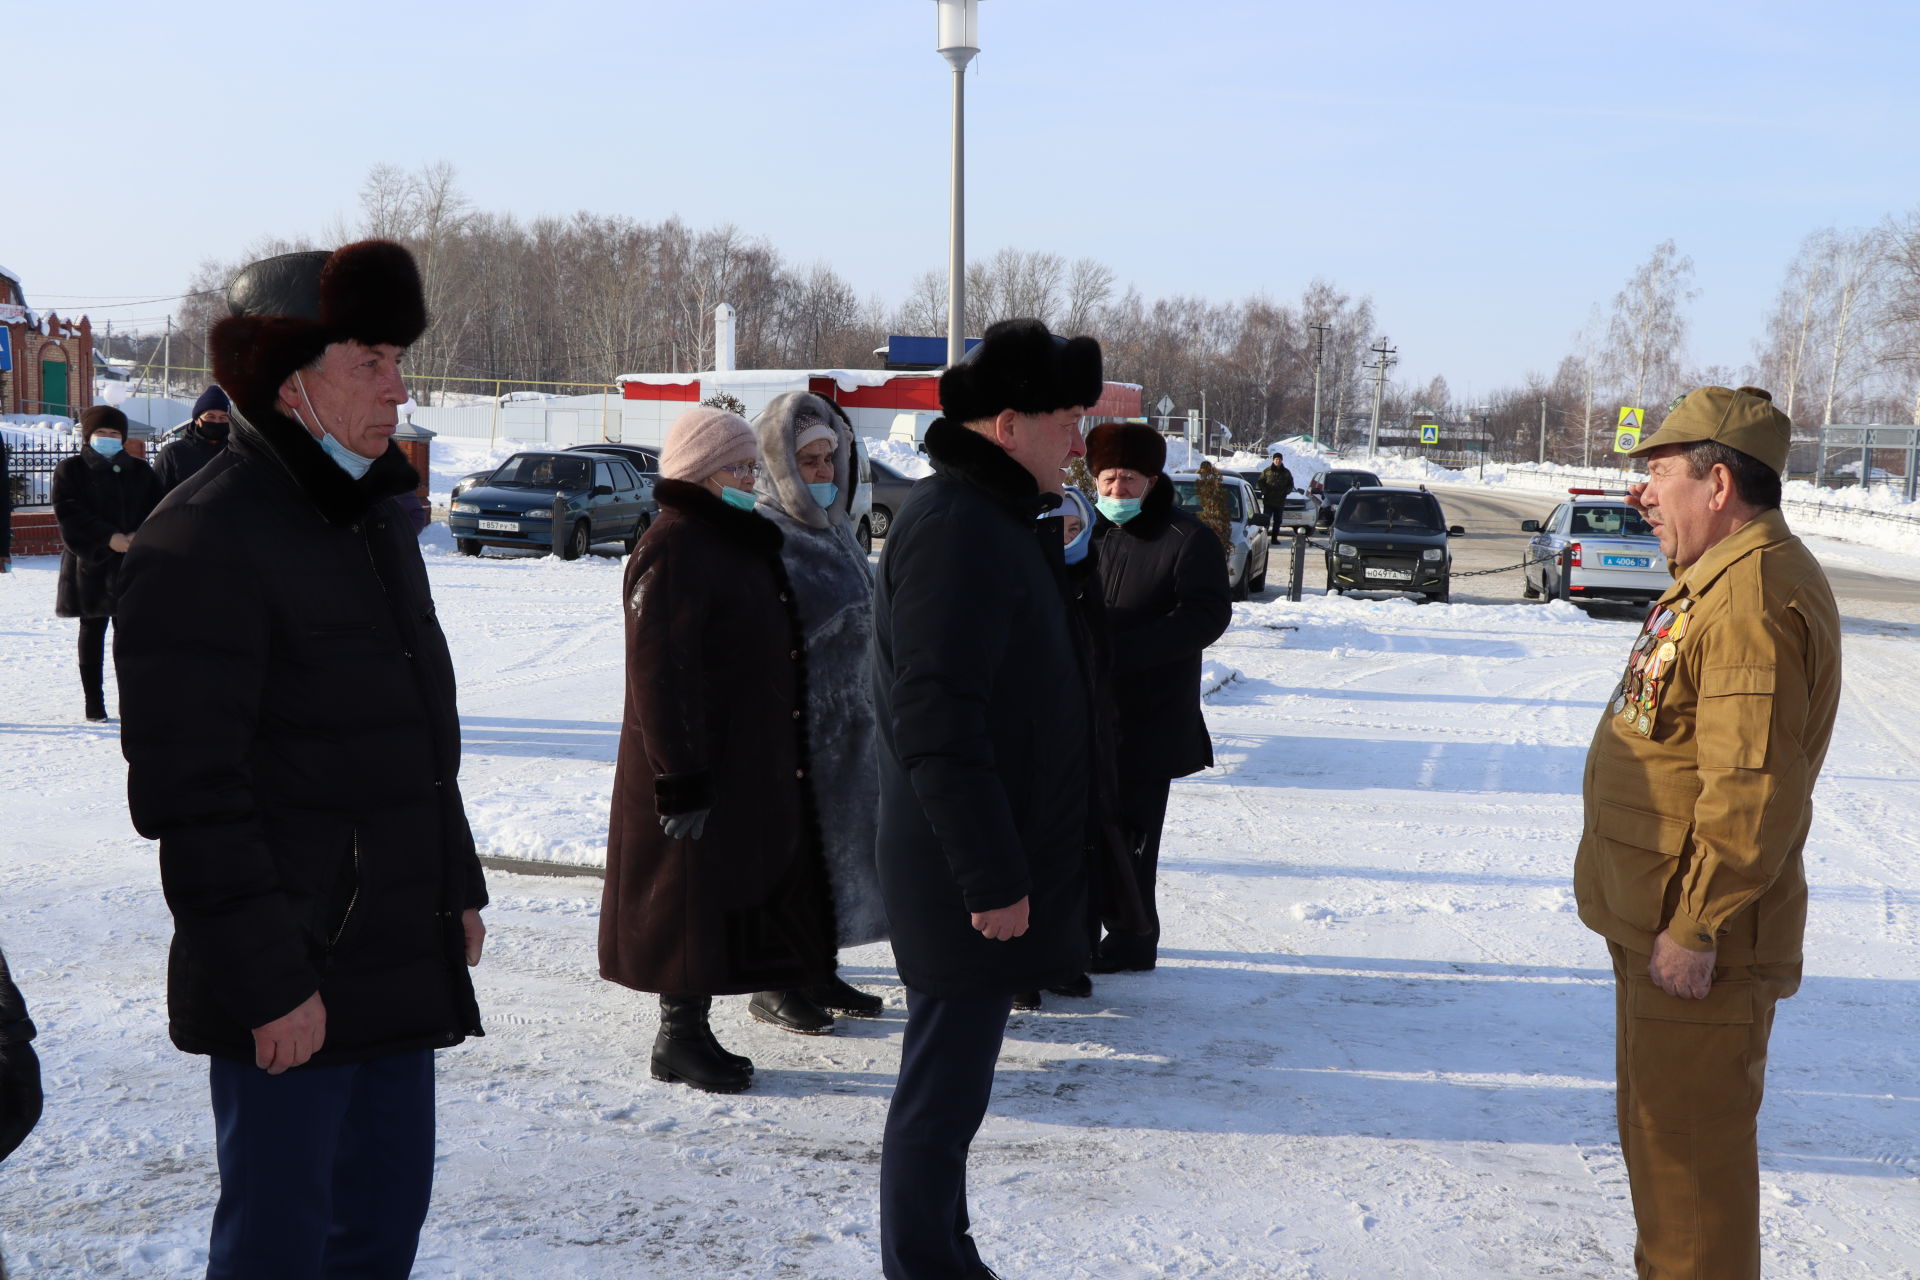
x=106 y=446
x=344 y=458
x=825 y=493
x=1119 y=510
x=738 y=499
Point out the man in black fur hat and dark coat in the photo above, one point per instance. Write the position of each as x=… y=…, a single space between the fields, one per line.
x=1165 y=575
x=982 y=805
x=289 y=723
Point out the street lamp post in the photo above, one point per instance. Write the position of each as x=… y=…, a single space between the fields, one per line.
x=959 y=39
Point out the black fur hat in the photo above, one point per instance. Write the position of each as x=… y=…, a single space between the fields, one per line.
x=1133 y=446
x=284 y=311
x=1019 y=365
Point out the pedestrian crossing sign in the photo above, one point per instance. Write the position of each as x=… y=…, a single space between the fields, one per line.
x=1429 y=434
x=1626 y=440
x=1629 y=418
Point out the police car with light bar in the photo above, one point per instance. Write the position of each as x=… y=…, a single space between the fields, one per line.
x=1594 y=547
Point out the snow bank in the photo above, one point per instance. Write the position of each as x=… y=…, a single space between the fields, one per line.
x=902 y=457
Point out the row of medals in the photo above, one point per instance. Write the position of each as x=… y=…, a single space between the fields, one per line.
x=1638 y=697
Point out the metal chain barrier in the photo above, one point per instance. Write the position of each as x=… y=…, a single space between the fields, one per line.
x=1302 y=543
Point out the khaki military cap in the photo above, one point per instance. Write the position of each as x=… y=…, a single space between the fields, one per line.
x=1745 y=420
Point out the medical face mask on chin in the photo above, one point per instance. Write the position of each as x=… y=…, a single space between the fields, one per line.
x=1119 y=510
x=824 y=494
x=106 y=446
x=738 y=499
x=344 y=458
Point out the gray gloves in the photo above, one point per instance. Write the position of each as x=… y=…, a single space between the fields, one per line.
x=685 y=826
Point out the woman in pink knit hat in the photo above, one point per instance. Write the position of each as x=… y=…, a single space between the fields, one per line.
x=716 y=883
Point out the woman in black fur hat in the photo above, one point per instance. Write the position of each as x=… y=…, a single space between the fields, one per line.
x=101 y=496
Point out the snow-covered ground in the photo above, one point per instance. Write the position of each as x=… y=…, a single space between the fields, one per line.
x=1378 y=1044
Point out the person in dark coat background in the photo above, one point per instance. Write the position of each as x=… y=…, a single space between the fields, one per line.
x=1275 y=483
x=983 y=803
x=715 y=882
x=101 y=496
x=6 y=510
x=205 y=436
x=1114 y=894
x=293 y=743
x=805 y=489
x=1167 y=599
x=20 y=1099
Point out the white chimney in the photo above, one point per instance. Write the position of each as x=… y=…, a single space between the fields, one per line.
x=723 y=338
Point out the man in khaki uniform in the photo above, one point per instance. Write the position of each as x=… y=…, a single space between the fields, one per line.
x=1698 y=791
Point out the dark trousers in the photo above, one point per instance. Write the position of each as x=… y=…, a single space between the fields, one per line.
x=325 y=1172
x=946 y=1078
x=93 y=660
x=1143 y=811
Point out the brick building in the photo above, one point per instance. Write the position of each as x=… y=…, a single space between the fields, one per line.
x=46 y=363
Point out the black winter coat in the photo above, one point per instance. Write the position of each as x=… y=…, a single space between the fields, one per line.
x=715 y=719
x=6 y=506
x=288 y=719
x=1167 y=600
x=95 y=497
x=977 y=684
x=185 y=454
x=19 y=1067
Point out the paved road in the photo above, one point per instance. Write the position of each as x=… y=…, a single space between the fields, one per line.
x=1493 y=539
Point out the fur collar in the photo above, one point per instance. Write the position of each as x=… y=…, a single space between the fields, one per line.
x=971 y=457
x=745 y=529
x=1156 y=510
x=340 y=499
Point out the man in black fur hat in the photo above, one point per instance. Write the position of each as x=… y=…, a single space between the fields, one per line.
x=1165 y=577
x=979 y=694
x=289 y=723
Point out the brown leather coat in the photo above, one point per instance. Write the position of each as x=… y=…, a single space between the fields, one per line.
x=1699 y=782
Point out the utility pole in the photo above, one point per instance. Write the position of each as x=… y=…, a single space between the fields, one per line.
x=166 y=377
x=1543 y=431
x=1319 y=355
x=1384 y=360
x=1206 y=427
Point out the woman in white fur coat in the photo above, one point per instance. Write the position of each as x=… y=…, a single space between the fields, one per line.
x=806 y=488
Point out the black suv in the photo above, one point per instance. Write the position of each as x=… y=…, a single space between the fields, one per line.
x=1331 y=486
x=1390 y=540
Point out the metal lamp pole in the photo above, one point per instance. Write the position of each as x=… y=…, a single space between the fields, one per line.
x=958 y=23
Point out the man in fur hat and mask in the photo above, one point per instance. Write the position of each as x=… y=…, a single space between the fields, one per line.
x=979 y=696
x=289 y=723
x=1165 y=577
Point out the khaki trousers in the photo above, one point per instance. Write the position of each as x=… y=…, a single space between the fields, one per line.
x=1691 y=1074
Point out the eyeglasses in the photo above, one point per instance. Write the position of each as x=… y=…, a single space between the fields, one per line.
x=745 y=471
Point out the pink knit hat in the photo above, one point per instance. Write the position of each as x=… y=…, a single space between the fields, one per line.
x=703 y=440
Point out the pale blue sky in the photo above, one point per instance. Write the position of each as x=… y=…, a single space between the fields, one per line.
x=1486 y=171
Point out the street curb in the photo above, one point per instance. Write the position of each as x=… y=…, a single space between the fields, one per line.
x=528 y=867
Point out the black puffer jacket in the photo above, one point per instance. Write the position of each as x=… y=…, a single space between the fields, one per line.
x=288 y=715
x=19 y=1067
x=982 y=802
x=1167 y=600
x=185 y=454
x=95 y=497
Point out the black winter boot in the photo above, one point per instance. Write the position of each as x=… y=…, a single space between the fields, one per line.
x=840 y=996
x=685 y=1051
x=791 y=1011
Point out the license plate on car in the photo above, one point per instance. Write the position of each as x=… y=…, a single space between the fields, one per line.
x=501 y=526
x=1626 y=562
x=1392 y=575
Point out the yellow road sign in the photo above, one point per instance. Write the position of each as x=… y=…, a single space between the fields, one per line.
x=1629 y=418
x=1429 y=434
x=1627 y=439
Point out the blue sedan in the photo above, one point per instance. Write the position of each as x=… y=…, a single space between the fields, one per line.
x=596 y=497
